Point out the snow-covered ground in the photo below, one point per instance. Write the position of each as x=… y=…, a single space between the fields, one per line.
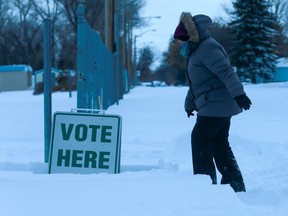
x=156 y=169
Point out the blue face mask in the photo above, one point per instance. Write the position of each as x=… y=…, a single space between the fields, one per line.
x=185 y=52
x=187 y=48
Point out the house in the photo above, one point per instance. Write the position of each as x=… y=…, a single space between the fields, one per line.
x=39 y=74
x=281 y=74
x=15 y=77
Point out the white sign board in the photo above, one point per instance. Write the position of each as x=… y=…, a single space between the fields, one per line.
x=85 y=143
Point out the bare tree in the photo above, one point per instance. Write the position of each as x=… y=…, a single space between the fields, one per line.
x=46 y=8
x=20 y=37
x=280 y=9
x=21 y=34
x=49 y=9
x=146 y=58
x=4 y=8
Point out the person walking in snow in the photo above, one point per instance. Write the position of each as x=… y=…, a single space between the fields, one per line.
x=216 y=94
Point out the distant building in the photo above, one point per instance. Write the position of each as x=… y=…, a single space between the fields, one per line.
x=281 y=74
x=39 y=74
x=15 y=77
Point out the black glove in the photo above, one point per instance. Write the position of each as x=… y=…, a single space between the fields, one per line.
x=189 y=113
x=243 y=101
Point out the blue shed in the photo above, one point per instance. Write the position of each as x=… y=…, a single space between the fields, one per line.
x=15 y=77
x=281 y=74
x=38 y=76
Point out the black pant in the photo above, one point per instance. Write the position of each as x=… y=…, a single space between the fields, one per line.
x=209 y=144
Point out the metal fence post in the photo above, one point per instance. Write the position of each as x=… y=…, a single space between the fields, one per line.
x=47 y=88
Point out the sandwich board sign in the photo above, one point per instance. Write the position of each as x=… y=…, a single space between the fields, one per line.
x=85 y=143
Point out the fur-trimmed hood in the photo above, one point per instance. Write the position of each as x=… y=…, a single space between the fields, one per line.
x=197 y=27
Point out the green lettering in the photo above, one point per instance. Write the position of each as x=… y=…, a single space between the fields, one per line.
x=94 y=132
x=90 y=159
x=62 y=157
x=103 y=159
x=105 y=133
x=81 y=132
x=76 y=156
x=66 y=133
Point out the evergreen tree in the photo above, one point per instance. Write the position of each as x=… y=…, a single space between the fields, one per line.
x=253 y=27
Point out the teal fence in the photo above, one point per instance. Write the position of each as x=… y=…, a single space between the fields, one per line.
x=100 y=75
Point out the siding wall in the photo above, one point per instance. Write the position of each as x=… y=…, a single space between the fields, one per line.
x=13 y=81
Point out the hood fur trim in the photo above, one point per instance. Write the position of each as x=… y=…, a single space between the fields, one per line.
x=187 y=19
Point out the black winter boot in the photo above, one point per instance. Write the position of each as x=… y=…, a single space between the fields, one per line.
x=234 y=176
x=238 y=186
x=237 y=183
x=225 y=180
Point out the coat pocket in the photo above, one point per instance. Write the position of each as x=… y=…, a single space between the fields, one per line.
x=201 y=101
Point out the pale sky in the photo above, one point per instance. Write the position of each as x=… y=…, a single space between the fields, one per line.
x=170 y=11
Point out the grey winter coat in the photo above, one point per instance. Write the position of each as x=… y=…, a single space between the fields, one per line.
x=213 y=82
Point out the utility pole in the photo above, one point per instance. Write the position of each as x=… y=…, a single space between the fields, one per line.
x=116 y=49
x=109 y=25
x=124 y=38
